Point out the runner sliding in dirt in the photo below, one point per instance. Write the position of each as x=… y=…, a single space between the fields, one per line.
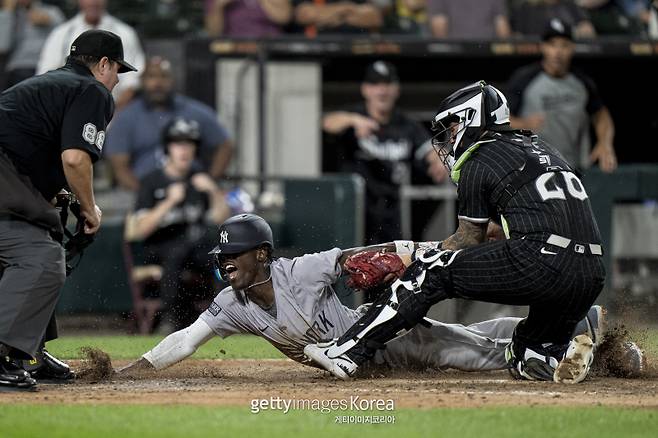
x=291 y=303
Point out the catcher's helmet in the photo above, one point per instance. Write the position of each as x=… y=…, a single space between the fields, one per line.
x=241 y=233
x=476 y=108
x=180 y=129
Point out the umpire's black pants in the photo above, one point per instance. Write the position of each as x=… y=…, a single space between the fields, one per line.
x=558 y=284
x=32 y=276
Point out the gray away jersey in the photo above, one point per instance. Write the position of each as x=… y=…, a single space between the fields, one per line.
x=308 y=310
x=307 y=307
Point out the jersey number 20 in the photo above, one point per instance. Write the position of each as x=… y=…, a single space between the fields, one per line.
x=572 y=183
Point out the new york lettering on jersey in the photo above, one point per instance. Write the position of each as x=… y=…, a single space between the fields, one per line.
x=319 y=329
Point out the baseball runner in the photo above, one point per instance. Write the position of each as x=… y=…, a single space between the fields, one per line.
x=551 y=260
x=291 y=303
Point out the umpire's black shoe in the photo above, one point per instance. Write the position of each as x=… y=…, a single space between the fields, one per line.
x=46 y=368
x=14 y=378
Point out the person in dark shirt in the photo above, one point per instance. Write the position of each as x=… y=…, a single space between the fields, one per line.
x=561 y=103
x=385 y=146
x=134 y=145
x=173 y=208
x=52 y=129
x=551 y=259
x=337 y=17
x=528 y=17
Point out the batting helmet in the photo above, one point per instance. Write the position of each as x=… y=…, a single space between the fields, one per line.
x=180 y=129
x=241 y=233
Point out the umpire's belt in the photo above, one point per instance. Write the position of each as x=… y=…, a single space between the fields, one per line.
x=580 y=248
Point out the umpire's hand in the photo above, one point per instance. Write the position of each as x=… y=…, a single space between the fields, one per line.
x=92 y=220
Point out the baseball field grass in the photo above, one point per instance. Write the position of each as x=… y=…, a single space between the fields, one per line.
x=201 y=421
x=226 y=381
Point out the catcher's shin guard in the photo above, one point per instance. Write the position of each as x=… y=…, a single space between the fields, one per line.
x=392 y=314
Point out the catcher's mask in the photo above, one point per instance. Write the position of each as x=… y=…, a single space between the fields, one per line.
x=464 y=116
x=239 y=234
x=76 y=242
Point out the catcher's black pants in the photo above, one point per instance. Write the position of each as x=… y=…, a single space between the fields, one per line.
x=32 y=273
x=559 y=284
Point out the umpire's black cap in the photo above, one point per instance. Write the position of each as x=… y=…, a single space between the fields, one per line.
x=241 y=233
x=101 y=43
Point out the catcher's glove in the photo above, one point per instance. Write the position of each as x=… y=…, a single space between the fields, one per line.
x=369 y=269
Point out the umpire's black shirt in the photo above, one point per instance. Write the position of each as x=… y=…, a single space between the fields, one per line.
x=42 y=116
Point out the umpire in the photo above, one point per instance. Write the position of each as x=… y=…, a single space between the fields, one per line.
x=52 y=129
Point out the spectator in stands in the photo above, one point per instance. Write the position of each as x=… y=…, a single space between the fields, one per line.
x=653 y=20
x=134 y=141
x=322 y=17
x=93 y=15
x=25 y=26
x=405 y=17
x=559 y=103
x=528 y=17
x=469 y=19
x=174 y=207
x=642 y=11
x=247 y=18
x=385 y=146
x=616 y=17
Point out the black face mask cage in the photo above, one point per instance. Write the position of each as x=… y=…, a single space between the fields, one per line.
x=442 y=140
x=442 y=145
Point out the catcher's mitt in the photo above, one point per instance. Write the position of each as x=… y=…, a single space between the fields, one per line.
x=369 y=269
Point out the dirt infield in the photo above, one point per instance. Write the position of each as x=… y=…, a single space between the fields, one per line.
x=237 y=382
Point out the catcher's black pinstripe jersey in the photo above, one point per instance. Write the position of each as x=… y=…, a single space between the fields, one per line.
x=556 y=203
x=558 y=282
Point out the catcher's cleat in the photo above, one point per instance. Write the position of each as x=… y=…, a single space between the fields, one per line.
x=14 y=378
x=577 y=361
x=46 y=368
x=340 y=366
x=536 y=363
x=593 y=325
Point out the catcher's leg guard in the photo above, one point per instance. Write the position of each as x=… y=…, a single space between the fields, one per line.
x=424 y=283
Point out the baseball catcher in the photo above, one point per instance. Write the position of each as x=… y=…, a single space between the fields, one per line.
x=550 y=261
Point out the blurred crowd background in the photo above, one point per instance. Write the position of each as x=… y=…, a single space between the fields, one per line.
x=316 y=114
x=466 y=19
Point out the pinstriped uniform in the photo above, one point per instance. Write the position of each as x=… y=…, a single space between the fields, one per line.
x=559 y=284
